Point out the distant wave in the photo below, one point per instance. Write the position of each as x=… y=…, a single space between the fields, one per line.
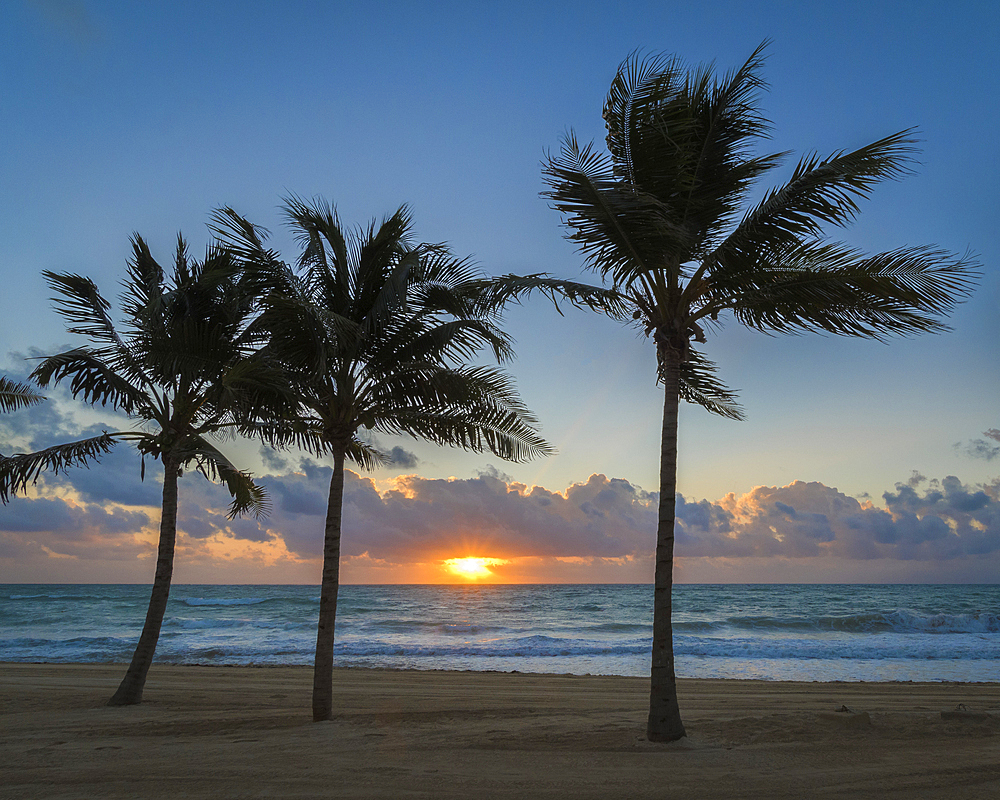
x=56 y=597
x=209 y=625
x=222 y=601
x=899 y=620
x=431 y=626
x=268 y=648
x=618 y=627
x=525 y=647
x=899 y=646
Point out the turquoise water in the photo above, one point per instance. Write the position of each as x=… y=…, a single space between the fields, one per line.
x=771 y=632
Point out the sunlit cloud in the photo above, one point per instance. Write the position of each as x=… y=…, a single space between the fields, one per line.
x=488 y=528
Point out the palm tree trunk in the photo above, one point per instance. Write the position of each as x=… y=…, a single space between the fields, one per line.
x=323 y=668
x=130 y=690
x=665 y=723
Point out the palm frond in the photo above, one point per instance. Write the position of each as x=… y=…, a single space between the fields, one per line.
x=700 y=385
x=820 y=192
x=262 y=270
x=143 y=290
x=302 y=432
x=210 y=462
x=325 y=251
x=640 y=84
x=309 y=334
x=21 y=469
x=366 y=456
x=391 y=294
x=492 y=295
x=716 y=163
x=91 y=379
x=449 y=341
x=15 y=395
x=80 y=303
x=384 y=257
x=831 y=288
x=475 y=408
x=620 y=229
x=240 y=236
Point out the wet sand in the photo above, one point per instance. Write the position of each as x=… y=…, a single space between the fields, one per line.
x=237 y=732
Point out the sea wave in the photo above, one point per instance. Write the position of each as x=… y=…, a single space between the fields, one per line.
x=209 y=625
x=227 y=601
x=899 y=620
x=855 y=633
x=269 y=649
x=55 y=597
x=874 y=648
x=617 y=627
x=417 y=626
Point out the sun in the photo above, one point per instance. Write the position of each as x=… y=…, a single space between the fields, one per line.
x=472 y=568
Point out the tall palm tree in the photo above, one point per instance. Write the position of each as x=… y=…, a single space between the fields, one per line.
x=187 y=367
x=378 y=331
x=21 y=469
x=664 y=216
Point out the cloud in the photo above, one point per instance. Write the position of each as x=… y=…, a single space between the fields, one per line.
x=600 y=529
x=415 y=519
x=944 y=520
x=116 y=478
x=63 y=528
x=980 y=448
x=420 y=518
x=403 y=459
x=273 y=460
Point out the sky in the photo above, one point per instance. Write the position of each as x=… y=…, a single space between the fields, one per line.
x=858 y=461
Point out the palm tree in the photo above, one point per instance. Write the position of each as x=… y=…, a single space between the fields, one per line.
x=378 y=331
x=186 y=367
x=663 y=215
x=21 y=469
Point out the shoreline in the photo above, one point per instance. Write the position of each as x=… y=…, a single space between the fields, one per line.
x=221 y=731
x=441 y=670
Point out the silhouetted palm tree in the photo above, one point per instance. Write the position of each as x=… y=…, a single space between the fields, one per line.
x=378 y=332
x=187 y=367
x=663 y=216
x=19 y=470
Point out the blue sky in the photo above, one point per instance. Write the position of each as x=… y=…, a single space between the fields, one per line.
x=122 y=117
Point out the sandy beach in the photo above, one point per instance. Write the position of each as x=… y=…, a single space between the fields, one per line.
x=234 y=732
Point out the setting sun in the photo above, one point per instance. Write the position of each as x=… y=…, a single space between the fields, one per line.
x=473 y=568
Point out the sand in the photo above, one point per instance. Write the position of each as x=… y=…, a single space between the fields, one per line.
x=221 y=732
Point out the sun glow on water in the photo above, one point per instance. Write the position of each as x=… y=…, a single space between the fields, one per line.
x=472 y=568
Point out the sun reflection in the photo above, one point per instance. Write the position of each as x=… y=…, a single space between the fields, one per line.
x=473 y=568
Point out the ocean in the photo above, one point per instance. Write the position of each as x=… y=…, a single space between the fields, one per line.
x=768 y=632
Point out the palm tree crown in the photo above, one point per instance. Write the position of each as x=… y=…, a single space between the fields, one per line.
x=664 y=216
x=376 y=332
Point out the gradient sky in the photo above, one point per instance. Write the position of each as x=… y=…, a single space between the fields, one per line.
x=858 y=461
